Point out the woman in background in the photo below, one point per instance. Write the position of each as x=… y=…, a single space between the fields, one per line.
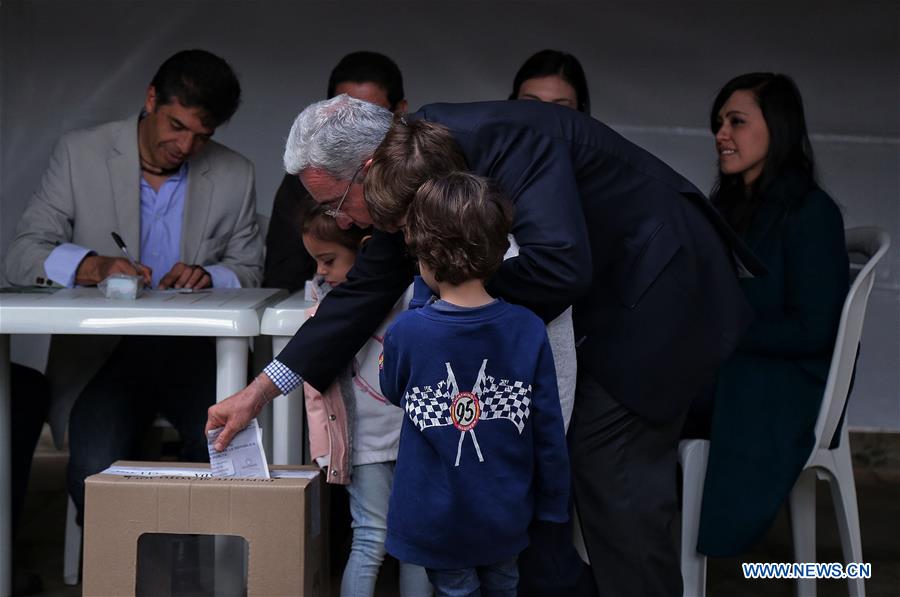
x=767 y=396
x=555 y=77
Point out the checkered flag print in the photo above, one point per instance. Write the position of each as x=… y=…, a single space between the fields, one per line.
x=427 y=407
x=505 y=400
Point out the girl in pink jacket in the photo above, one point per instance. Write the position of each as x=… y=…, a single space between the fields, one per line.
x=354 y=431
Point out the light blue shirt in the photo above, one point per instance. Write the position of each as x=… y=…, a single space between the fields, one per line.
x=161 y=218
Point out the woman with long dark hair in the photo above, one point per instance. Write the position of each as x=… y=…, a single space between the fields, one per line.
x=767 y=396
x=553 y=76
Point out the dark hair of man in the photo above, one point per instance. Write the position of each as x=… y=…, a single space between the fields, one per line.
x=323 y=227
x=458 y=225
x=369 y=67
x=547 y=63
x=199 y=79
x=790 y=150
x=411 y=153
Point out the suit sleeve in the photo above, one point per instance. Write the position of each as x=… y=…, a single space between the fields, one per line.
x=46 y=223
x=816 y=283
x=351 y=312
x=243 y=252
x=553 y=268
x=550 y=452
x=288 y=265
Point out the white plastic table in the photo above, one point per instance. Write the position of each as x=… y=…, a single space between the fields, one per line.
x=281 y=321
x=229 y=315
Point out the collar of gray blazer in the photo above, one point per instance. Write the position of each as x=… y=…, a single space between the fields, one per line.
x=123 y=164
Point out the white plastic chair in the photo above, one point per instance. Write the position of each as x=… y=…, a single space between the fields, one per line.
x=693 y=455
x=866 y=246
x=71 y=547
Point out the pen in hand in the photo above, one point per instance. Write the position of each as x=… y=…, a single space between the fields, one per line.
x=139 y=269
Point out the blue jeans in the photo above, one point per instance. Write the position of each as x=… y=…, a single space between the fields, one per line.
x=370 y=490
x=495 y=580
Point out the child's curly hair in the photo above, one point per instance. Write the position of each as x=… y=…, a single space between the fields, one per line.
x=457 y=225
x=320 y=225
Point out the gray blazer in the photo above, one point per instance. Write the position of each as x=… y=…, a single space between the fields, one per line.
x=91 y=188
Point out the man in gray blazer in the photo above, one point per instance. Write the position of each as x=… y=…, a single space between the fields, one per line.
x=186 y=208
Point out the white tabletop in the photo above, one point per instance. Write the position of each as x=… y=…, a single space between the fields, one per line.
x=215 y=312
x=230 y=315
x=286 y=317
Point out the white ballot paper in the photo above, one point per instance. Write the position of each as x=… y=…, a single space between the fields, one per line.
x=244 y=456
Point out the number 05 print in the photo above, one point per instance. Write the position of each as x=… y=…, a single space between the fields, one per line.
x=446 y=405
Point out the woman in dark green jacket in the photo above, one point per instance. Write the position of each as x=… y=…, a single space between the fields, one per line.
x=767 y=396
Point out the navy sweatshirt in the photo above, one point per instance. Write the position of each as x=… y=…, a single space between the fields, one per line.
x=482 y=447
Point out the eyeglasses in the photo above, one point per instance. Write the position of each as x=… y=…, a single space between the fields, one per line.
x=335 y=212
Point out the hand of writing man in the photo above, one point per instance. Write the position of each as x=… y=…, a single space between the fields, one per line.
x=93 y=269
x=183 y=275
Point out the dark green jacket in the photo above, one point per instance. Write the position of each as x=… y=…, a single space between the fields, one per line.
x=768 y=394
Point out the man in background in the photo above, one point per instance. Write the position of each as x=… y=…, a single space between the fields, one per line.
x=186 y=209
x=368 y=76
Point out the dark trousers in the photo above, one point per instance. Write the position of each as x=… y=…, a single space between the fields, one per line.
x=550 y=566
x=698 y=423
x=30 y=394
x=624 y=472
x=146 y=376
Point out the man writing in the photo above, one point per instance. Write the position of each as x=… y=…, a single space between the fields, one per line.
x=186 y=209
x=600 y=223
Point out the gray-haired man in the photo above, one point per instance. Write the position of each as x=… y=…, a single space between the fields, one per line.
x=600 y=223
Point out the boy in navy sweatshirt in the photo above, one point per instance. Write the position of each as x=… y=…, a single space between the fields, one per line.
x=482 y=446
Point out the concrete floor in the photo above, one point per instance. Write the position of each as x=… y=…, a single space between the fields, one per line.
x=39 y=549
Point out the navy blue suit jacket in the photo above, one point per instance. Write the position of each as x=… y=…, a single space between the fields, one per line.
x=601 y=224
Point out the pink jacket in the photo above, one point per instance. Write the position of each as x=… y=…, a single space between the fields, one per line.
x=329 y=431
x=329 y=428
x=331 y=414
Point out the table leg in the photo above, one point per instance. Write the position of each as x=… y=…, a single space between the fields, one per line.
x=231 y=377
x=262 y=356
x=231 y=366
x=288 y=414
x=5 y=464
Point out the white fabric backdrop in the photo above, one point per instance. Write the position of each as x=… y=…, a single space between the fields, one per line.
x=653 y=68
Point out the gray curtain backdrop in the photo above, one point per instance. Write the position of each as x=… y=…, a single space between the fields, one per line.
x=653 y=69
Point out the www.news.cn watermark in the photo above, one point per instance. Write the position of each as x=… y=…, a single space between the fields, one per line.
x=801 y=570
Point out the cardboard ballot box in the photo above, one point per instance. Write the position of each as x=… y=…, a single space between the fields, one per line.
x=172 y=529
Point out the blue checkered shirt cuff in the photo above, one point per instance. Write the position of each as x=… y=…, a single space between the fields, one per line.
x=284 y=379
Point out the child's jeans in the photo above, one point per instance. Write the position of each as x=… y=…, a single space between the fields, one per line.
x=369 y=491
x=495 y=580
